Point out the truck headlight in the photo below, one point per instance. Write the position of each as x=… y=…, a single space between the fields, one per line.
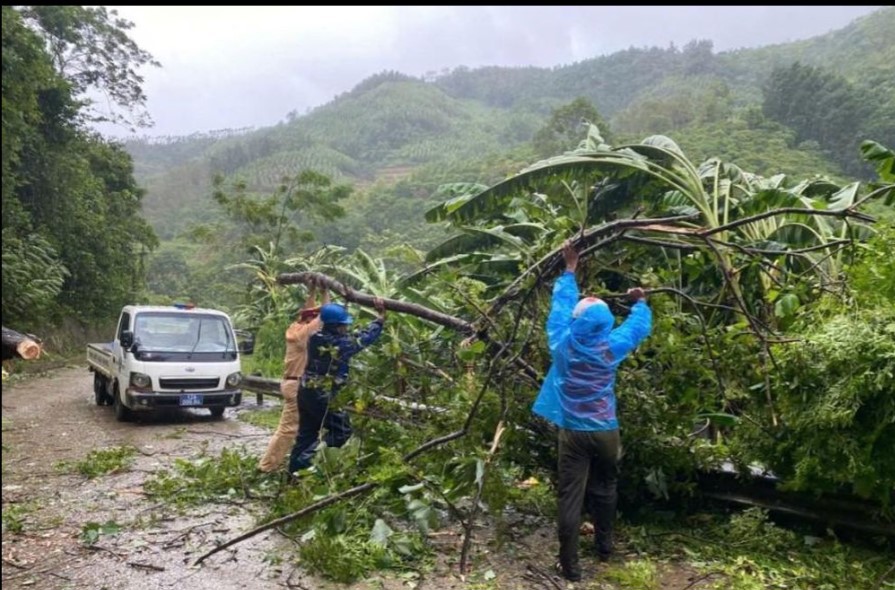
x=141 y=381
x=234 y=379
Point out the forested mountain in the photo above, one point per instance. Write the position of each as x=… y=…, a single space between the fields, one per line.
x=390 y=123
x=395 y=138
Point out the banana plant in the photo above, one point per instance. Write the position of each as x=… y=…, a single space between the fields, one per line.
x=658 y=175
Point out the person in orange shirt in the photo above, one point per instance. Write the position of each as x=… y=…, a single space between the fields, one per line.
x=297 y=335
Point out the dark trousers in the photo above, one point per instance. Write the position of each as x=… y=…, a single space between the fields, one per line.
x=588 y=472
x=314 y=413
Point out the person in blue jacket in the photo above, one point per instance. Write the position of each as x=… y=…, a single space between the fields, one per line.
x=329 y=352
x=578 y=396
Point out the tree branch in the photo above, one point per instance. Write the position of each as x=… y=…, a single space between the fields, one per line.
x=552 y=259
x=436 y=317
x=844 y=213
x=366 y=487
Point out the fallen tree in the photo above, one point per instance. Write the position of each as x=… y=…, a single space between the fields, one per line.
x=728 y=251
x=436 y=317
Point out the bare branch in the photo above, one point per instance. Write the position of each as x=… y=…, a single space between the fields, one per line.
x=844 y=213
x=550 y=262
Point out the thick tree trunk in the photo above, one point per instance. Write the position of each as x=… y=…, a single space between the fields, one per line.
x=17 y=345
x=436 y=317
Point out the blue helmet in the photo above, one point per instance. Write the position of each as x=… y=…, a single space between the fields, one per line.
x=333 y=313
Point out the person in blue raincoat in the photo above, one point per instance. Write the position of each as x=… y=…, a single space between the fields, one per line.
x=578 y=396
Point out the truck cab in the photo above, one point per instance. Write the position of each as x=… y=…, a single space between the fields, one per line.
x=168 y=357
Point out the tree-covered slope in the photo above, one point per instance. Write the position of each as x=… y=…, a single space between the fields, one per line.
x=392 y=121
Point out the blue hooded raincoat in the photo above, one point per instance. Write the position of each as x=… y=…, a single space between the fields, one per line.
x=579 y=390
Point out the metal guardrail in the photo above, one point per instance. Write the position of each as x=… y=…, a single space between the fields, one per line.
x=262 y=386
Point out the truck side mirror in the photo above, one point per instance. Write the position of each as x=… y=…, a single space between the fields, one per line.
x=245 y=342
x=127 y=339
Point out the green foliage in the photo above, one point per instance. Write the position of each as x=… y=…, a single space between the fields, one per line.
x=273 y=219
x=346 y=552
x=342 y=558
x=92 y=531
x=833 y=397
x=15 y=516
x=639 y=573
x=822 y=107
x=882 y=158
x=232 y=475
x=101 y=462
x=67 y=193
x=32 y=277
x=676 y=103
x=871 y=276
x=749 y=552
x=755 y=144
x=751 y=530
x=91 y=48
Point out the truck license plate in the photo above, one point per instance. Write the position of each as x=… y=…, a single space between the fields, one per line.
x=192 y=399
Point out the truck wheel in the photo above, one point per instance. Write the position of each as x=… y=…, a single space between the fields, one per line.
x=122 y=412
x=99 y=389
x=217 y=412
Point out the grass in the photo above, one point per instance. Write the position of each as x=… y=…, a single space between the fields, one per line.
x=268 y=418
x=15 y=515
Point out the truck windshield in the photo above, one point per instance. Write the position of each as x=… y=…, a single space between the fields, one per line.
x=181 y=332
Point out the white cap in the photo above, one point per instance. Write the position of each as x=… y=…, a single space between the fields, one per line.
x=585 y=303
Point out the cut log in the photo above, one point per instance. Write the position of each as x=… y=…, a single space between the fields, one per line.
x=18 y=345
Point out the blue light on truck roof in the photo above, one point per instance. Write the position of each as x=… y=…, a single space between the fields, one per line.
x=184 y=305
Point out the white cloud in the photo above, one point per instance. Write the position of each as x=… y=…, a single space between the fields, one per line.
x=230 y=67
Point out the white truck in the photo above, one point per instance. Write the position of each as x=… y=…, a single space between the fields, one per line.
x=168 y=357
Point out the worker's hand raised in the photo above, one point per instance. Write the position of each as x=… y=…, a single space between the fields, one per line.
x=379 y=304
x=570 y=255
x=636 y=294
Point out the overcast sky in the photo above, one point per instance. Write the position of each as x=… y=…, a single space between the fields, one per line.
x=232 y=67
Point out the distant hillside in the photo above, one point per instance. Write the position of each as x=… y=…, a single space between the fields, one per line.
x=863 y=52
x=395 y=122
